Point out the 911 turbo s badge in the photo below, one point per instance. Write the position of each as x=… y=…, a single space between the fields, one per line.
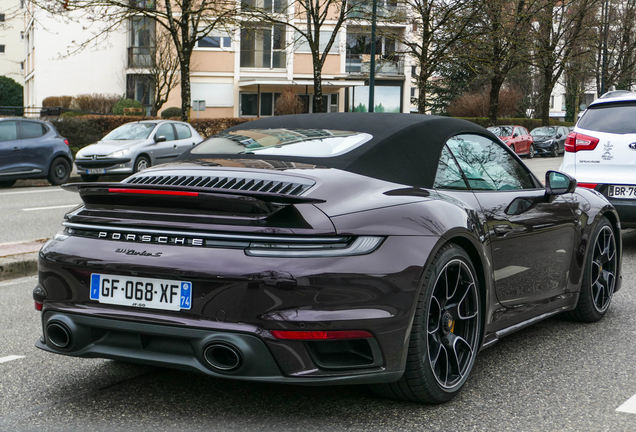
x=134 y=252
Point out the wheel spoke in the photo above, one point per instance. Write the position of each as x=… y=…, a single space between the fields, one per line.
x=434 y=316
x=467 y=306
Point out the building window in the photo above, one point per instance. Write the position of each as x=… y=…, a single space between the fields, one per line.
x=141 y=88
x=551 y=102
x=215 y=42
x=250 y=107
x=413 y=70
x=263 y=47
x=329 y=102
x=264 y=5
x=412 y=92
x=1 y=49
x=21 y=65
x=359 y=48
x=22 y=35
x=142 y=41
x=1 y=17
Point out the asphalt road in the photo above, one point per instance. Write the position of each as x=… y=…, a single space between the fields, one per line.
x=555 y=376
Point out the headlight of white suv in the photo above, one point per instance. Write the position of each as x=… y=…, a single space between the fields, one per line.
x=119 y=153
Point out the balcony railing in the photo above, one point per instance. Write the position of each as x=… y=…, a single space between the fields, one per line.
x=385 y=64
x=387 y=11
x=140 y=57
x=143 y=4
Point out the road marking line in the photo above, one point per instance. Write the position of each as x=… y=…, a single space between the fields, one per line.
x=57 y=189
x=50 y=207
x=629 y=406
x=10 y=358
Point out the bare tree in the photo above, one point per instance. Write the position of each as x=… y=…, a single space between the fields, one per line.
x=438 y=25
x=316 y=23
x=557 y=31
x=500 y=42
x=185 y=21
x=163 y=70
x=615 y=45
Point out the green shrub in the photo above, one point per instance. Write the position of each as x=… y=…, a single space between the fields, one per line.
x=171 y=112
x=11 y=95
x=73 y=114
x=118 y=108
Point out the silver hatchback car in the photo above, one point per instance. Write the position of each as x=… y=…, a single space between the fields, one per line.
x=133 y=147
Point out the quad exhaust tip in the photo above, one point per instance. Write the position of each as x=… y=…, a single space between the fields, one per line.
x=222 y=357
x=58 y=334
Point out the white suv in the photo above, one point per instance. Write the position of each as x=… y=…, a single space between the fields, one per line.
x=601 y=152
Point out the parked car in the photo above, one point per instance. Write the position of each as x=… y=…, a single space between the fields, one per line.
x=601 y=152
x=32 y=149
x=348 y=248
x=134 y=147
x=516 y=137
x=549 y=140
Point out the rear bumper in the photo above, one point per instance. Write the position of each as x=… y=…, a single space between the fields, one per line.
x=237 y=299
x=184 y=348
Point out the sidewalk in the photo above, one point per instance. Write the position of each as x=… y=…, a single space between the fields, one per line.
x=19 y=259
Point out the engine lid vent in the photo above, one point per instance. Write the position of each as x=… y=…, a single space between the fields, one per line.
x=268 y=184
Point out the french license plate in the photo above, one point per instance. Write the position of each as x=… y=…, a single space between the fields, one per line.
x=95 y=171
x=141 y=292
x=622 y=191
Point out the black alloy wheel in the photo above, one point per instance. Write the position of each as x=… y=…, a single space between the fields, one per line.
x=531 y=151
x=7 y=183
x=446 y=332
x=141 y=163
x=599 y=277
x=554 y=150
x=59 y=172
x=89 y=177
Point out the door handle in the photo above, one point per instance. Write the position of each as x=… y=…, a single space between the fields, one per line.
x=194 y=143
x=175 y=146
x=502 y=230
x=16 y=148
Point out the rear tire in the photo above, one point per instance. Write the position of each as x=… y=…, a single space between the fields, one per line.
x=89 y=177
x=531 y=152
x=599 y=276
x=446 y=332
x=7 y=183
x=59 y=172
x=512 y=147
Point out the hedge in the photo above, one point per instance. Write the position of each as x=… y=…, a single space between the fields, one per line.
x=85 y=130
x=525 y=122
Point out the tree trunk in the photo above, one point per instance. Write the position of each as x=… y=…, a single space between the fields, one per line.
x=318 y=105
x=545 y=100
x=495 y=86
x=186 y=102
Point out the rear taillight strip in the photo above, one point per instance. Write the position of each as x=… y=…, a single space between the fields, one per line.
x=578 y=142
x=153 y=192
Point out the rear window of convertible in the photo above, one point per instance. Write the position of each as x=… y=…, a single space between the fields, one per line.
x=619 y=118
x=284 y=142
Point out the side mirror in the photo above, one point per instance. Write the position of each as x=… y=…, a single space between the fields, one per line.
x=558 y=183
x=161 y=138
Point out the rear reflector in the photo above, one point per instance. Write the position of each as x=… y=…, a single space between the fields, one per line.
x=320 y=335
x=587 y=185
x=38 y=306
x=66 y=141
x=153 y=192
x=577 y=142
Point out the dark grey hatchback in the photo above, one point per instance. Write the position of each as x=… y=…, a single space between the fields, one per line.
x=31 y=149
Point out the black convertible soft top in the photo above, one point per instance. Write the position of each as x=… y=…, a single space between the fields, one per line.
x=405 y=147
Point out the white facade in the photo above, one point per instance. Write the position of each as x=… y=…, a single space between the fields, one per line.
x=51 y=69
x=11 y=42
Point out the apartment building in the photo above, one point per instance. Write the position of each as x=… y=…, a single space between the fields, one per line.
x=11 y=40
x=235 y=72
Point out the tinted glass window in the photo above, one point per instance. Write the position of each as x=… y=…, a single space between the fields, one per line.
x=287 y=142
x=448 y=174
x=487 y=165
x=165 y=130
x=8 y=131
x=31 y=130
x=501 y=131
x=183 y=131
x=617 y=118
x=546 y=131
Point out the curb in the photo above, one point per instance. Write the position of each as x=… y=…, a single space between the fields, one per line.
x=15 y=266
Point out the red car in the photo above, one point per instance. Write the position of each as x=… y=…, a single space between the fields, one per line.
x=516 y=137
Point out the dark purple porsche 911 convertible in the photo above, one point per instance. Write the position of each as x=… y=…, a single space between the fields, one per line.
x=380 y=249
